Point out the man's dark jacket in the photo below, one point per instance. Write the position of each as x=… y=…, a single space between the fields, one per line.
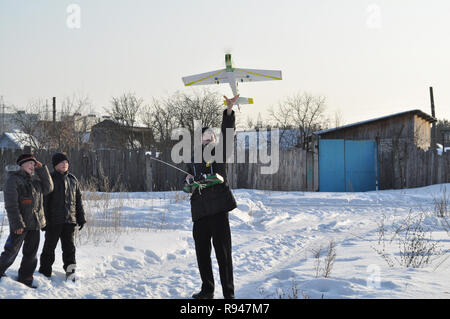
x=218 y=198
x=64 y=204
x=24 y=197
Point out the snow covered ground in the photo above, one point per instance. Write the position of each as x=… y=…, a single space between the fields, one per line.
x=139 y=245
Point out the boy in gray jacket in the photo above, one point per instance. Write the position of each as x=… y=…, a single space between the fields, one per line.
x=25 y=187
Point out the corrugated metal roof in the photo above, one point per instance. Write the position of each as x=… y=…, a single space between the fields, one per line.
x=423 y=115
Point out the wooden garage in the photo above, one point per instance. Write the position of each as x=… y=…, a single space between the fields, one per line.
x=405 y=156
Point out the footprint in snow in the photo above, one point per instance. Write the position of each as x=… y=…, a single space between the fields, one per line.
x=123 y=263
x=151 y=257
x=171 y=257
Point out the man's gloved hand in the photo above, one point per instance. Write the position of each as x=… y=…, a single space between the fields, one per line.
x=81 y=226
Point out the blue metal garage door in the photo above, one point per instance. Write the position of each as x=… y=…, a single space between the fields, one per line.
x=347 y=166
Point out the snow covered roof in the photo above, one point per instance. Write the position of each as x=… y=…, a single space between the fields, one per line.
x=16 y=140
x=419 y=113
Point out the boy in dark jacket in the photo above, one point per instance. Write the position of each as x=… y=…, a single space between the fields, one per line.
x=209 y=208
x=63 y=211
x=25 y=186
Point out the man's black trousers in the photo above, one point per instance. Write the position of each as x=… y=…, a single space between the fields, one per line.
x=53 y=233
x=30 y=240
x=217 y=228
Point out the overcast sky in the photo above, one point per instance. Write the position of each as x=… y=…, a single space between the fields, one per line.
x=368 y=58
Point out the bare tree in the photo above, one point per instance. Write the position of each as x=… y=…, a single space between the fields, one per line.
x=70 y=129
x=75 y=104
x=305 y=112
x=125 y=109
x=41 y=132
x=161 y=119
x=181 y=110
x=205 y=107
x=338 y=118
x=28 y=123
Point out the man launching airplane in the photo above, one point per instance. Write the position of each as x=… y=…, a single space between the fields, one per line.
x=210 y=205
x=211 y=197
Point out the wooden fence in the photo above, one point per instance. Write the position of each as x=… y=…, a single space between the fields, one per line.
x=133 y=171
x=102 y=170
x=120 y=170
x=406 y=166
x=298 y=171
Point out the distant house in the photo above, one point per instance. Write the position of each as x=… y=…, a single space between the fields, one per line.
x=81 y=123
x=17 y=140
x=109 y=134
x=257 y=139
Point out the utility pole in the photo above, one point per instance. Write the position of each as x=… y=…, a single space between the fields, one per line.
x=3 y=114
x=432 y=102
x=3 y=107
x=54 y=112
x=54 y=123
x=46 y=110
x=433 y=137
x=433 y=114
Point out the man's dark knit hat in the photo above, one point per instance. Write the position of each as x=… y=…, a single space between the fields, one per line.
x=58 y=158
x=25 y=158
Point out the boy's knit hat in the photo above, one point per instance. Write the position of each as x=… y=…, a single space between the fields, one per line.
x=58 y=158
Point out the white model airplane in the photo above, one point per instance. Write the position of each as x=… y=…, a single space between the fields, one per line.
x=232 y=76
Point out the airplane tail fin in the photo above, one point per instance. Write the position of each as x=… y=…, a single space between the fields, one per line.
x=242 y=100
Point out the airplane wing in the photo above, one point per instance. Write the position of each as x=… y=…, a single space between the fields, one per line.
x=250 y=75
x=213 y=77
